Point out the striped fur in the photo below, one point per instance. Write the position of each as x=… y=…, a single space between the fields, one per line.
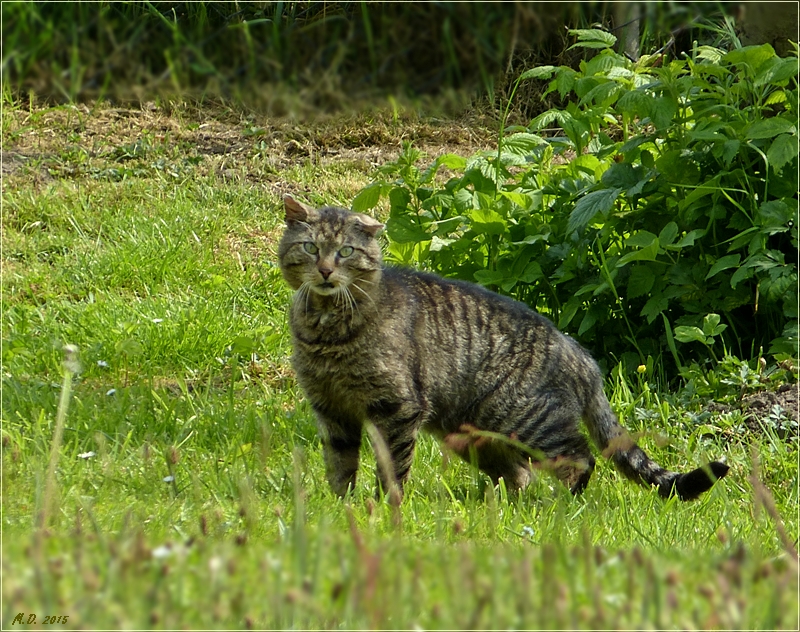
x=410 y=351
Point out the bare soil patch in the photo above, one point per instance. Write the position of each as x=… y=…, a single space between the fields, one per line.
x=112 y=142
x=778 y=409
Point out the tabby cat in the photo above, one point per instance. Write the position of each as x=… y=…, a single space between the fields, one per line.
x=411 y=351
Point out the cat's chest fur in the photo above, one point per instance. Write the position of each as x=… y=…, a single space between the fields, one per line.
x=344 y=368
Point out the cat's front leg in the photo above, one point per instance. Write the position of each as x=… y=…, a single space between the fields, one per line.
x=398 y=426
x=341 y=442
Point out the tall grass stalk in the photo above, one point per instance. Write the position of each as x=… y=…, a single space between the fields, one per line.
x=49 y=502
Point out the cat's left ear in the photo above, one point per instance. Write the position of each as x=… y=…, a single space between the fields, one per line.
x=369 y=225
x=297 y=211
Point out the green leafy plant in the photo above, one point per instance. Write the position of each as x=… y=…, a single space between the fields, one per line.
x=670 y=195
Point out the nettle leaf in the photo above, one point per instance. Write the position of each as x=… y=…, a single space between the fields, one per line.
x=452 y=161
x=635 y=102
x=730 y=149
x=640 y=239
x=403 y=229
x=648 y=253
x=668 y=234
x=590 y=205
x=584 y=85
x=564 y=81
x=774 y=214
x=707 y=135
x=689 y=334
x=487 y=169
x=723 y=263
x=399 y=199
x=487 y=222
x=368 y=197
x=619 y=72
x=769 y=128
x=744 y=272
x=551 y=116
x=640 y=281
x=752 y=56
x=589 y=319
x=714 y=55
x=518 y=199
x=604 y=62
x=662 y=112
x=437 y=243
x=782 y=151
x=779 y=96
x=532 y=272
x=677 y=168
x=489 y=277
x=540 y=72
x=777 y=71
x=689 y=238
x=620 y=174
x=464 y=200
x=449 y=225
x=531 y=239
x=568 y=312
x=653 y=307
x=601 y=93
x=592 y=38
x=522 y=144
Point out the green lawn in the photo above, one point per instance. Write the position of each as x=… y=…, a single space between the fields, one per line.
x=189 y=489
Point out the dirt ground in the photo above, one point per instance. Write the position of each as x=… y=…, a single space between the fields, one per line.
x=75 y=140
x=778 y=409
x=758 y=406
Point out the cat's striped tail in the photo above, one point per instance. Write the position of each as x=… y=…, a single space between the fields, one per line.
x=631 y=460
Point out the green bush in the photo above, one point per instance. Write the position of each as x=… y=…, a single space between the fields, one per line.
x=669 y=198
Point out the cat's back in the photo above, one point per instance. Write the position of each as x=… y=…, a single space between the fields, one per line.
x=465 y=331
x=458 y=305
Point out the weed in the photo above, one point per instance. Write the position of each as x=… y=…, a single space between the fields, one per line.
x=191 y=490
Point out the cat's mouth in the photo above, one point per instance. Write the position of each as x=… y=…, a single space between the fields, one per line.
x=325 y=288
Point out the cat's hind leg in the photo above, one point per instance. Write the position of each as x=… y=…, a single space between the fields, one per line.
x=497 y=457
x=548 y=426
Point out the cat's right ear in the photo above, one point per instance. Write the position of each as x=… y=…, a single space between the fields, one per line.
x=296 y=211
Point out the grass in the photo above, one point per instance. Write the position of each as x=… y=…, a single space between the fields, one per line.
x=189 y=489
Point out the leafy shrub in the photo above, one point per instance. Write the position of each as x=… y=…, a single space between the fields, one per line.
x=670 y=196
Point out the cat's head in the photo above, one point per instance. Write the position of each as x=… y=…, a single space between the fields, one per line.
x=329 y=250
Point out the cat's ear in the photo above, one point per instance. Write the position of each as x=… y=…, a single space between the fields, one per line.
x=369 y=225
x=297 y=211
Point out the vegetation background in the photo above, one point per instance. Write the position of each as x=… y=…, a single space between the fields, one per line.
x=159 y=465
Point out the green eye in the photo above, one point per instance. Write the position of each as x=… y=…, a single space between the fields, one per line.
x=346 y=251
x=310 y=248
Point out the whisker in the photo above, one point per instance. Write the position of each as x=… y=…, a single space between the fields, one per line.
x=306 y=287
x=355 y=285
x=353 y=303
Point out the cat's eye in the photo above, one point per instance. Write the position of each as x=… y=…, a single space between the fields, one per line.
x=310 y=248
x=346 y=251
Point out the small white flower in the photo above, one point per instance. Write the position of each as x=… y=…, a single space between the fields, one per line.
x=527 y=531
x=168 y=479
x=111 y=391
x=102 y=363
x=86 y=455
x=161 y=551
x=158 y=320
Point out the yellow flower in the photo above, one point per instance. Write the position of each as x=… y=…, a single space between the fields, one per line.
x=641 y=369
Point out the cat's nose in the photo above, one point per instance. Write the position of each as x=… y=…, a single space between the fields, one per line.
x=325 y=272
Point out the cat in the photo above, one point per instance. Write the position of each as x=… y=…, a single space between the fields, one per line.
x=410 y=351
